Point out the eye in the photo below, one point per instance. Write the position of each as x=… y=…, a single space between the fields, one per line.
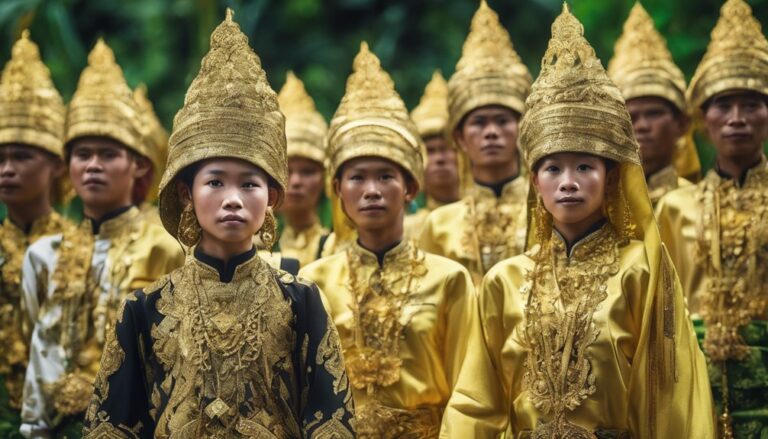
x=355 y=177
x=251 y=184
x=214 y=183
x=583 y=167
x=387 y=176
x=552 y=169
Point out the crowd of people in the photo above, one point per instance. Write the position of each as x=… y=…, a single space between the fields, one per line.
x=571 y=273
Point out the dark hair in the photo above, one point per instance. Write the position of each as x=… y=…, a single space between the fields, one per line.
x=609 y=163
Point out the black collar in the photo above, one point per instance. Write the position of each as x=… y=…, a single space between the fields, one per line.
x=96 y=223
x=380 y=254
x=742 y=177
x=226 y=269
x=498 y=187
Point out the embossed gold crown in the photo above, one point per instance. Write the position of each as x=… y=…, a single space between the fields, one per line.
x=431 y=115
x=489 y=72
x=103 y=104
x=573 y=105
x=154 y=136
x=229 y=111
x=736 y=58
x=372 y=121
x=305 y=127
x=32 y=110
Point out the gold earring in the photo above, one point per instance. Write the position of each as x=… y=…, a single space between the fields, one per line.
x=268 y=231
x=543 y=221
x=190 y=231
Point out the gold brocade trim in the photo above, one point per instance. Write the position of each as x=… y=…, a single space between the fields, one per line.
x=563 y=294
x=373 y=357
x=661 y=182
x=375 y=421
x=733 y=246
x=14 y=341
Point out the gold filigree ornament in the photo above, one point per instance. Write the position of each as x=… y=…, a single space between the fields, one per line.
x=230 y=111
x=431 y=115
x=190 y=231
x=736 y=58
x=305 y=127
x=268 y=232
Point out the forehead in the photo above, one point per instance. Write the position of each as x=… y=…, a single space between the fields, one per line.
x=10 y=148
x=99 y=143
x=492 y=111
x=648 y=102
x=303 y=162
x=230 y=166
x=370 y=164
x=572 y=157
x=738 y=95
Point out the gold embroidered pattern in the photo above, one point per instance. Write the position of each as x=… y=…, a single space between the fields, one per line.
x=302 y=245
x=381 y=422
x=661 y=182
x=563 y=294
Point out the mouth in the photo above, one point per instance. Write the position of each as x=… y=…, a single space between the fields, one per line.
x=738 y=136
x=294 y=194
x=492 y=148
x=570 y=201
x=372 y=209
x=94 y=182
x=232 y=219
x=9 y=186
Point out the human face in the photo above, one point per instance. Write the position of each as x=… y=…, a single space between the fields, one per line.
x=26 y=174
x=572 y=187
x=374 y=193
x=230 y=199
x=442 y=171
x=488 y=135
x=103 y=172
x=305 y=185
x=737 y=124
x=657 y=128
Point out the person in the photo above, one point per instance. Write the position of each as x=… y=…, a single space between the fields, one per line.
x=155 y=137
x=305 y=128
x=400 y=311
x=224 y=346
x=586 y=335
x=654 y=88
x=73 y=282
x=716 y=231
x=31 y=179
x=441 y=174
x=486 y=98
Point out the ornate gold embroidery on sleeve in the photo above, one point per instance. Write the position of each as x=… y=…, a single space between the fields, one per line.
x=106 y=430
x=332 y=428
x=329 y=356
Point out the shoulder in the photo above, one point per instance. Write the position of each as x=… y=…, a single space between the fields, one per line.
x=680 y=199
x=515 y=266
x=448 y=268
x=449 y=210
x=320 y=268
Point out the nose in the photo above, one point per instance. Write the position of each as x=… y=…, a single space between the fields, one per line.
x=294 y=180
x=7 y=169
x=371 y=191
x=640 y=124
x=492 y=130
x=567 y=183
x=232 y=200
x=736 y=115
x=93 y=164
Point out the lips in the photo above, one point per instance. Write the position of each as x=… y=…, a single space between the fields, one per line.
x=738 y=136
x=9 y=185
x=569 y=201
x=232 y=219
x=94 y=182
x=374 y=208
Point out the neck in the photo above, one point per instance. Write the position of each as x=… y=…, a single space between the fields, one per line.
x=652 y=167
x=24 y=214
x=98 y=212
x=574 y=232
x=379 y=240
x=490 y=175
x=223 y=250
x=444 y=194
x=736 y=167
x=300 y=220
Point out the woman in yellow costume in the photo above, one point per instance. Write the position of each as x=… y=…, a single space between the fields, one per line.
x=586 y=335
x=400 y=312
x=225 y=346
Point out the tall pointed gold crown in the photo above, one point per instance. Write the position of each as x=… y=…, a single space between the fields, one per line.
x=642 y=64
x=305 y=127
x=431 y=115
x=372 y=121
x=573 y=106
x=154 y=136
x=736 y=58
x=32 y=110
x=230 y=111
x=103 y=104
x=489 y=72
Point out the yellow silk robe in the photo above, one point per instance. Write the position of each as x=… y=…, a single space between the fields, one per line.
x=402 y=328
x=664 y=181
x=302 y=245
x=493 y=394
x=481 y=229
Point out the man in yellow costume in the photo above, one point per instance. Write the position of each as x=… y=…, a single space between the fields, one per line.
x=73 y=282
x=654 y=88
x=486 y=98
x=31 y=179
x=305 y=130
x=400 y=312
x=155 y=139
x=441 y=173
x=586 y=335
x=717 y=230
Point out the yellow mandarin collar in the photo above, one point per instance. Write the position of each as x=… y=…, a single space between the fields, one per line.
x=301 y=238
x=398 y=253
x=41 y=226
x=585 y=247
x=116 y=226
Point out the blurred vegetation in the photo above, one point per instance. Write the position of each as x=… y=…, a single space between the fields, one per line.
x=161 y=42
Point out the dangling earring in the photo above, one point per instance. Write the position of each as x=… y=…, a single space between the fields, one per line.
x=543 y=221
x=268 y=231
x=190 y=231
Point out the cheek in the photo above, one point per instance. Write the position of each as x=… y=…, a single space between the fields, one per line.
x=547 y=189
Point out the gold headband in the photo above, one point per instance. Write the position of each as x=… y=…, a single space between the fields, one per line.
x=305 y=127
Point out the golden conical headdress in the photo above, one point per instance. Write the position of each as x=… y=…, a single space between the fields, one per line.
x=229 y=111
x=431 y=115
x=103 y=104
x=489 y=72
x=305 y=127
x=573 y=106
x=154 y=136
x=372 y=121
x=736 y=58
x=32 y=110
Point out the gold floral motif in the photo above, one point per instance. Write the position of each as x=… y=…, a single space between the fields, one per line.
x=564 y=292
x=375 y=421
x=106 y=430
x=302 y=245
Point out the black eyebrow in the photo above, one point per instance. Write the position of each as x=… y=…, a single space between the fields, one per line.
x=218 y=172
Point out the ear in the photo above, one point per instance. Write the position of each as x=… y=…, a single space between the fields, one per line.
x=411 y=189
x=612 y=179
x=143 y=165
x=184 y=193
x=336 y=186
x=273 y=196
x=535 y=180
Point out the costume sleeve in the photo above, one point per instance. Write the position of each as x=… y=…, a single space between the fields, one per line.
x=120 y=404
x=669 y=389
x=327 y=411
x=460 y=313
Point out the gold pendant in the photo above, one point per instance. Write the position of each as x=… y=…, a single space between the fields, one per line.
x=216 y=409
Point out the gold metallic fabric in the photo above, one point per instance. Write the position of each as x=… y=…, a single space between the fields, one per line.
x=663 y=181
x=229 y=111
x=32 y=110
x=103 y=104
x=736 y=58
x=305 y=127
x=302 y=245
x=431 y=115
x=154 y=136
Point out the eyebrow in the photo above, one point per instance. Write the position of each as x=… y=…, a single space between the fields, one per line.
x=220 y=172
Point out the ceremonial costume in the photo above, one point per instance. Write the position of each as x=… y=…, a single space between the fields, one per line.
x=74 y=281
x=642 y=66
x=215 y=349
x=591 y=341
x=32 y=114
x=400 y=314
x=155 y=138
x=305 y=131
x=488 y=224
x=717 y=234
